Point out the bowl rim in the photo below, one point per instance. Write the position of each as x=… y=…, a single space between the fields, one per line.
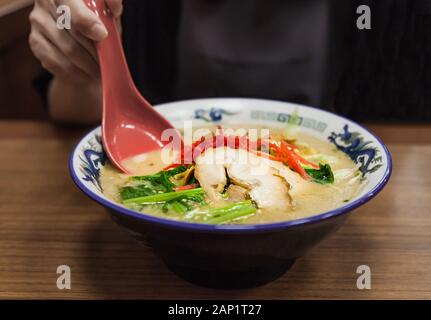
x=237 y=228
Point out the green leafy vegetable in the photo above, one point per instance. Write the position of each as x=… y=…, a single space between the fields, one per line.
x=292 y=126
x=230 y=212
x=157 y=190
x=179 y=207
x=323 y=175
x=151 y=184
x=162 y=178
x=164 y=197
x=145 y=189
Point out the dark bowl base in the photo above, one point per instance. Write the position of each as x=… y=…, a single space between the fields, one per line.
x=231 y=280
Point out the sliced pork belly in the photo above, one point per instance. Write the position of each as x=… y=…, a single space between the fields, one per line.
x=237 y=193
x=296 y=182
x=266 y=189
x=211 y=175
x=263 y=183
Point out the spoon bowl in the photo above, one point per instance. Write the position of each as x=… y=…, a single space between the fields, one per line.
x=130 y=125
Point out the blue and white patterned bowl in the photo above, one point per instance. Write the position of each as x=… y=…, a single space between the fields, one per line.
x=237 y=256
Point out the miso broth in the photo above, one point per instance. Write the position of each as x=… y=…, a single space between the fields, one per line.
x=310 y=197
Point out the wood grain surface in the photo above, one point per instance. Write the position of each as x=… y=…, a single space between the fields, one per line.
x=45 y=222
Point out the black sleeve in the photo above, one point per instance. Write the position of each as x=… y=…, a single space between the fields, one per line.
x=41 y=83
x=150 y=44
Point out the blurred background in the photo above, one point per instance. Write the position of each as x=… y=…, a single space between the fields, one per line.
x=18 y=99
x=383 y=74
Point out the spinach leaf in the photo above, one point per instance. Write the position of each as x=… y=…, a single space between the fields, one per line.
x=141 y=190
x=143 y=186
x=323 y=175
x=162 y=178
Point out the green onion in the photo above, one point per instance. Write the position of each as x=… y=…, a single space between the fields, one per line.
x=163 y=197
x=292 y=127
x=214 y=212
x=178 y=207
x=231 y=212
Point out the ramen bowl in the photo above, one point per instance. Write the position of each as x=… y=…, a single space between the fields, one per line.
x=233 y=256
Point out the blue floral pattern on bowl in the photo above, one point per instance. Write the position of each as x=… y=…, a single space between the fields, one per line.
x=360 y=151
x=92 y=160
x=212 y=115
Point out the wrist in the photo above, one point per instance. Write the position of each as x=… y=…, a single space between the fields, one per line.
x=75 y=102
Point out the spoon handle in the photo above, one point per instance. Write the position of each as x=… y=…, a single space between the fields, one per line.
x=112 y=60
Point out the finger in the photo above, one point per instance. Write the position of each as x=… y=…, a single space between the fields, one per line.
x=85 y=21
x=116 y=7
x=52 y=59
x=70 y=48
x=119 y=25
x=82 y=40
x=86 y=43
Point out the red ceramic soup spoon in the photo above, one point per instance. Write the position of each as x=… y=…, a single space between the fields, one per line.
x=130 y=125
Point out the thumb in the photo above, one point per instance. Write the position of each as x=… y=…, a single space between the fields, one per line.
x=116 y=7
x=85 y=21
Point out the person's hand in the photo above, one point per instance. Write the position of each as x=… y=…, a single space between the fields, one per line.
x=68 y=54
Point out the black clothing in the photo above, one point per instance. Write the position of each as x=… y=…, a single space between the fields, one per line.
x=306 y=51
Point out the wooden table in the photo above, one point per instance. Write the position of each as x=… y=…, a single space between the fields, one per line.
x=45 y=222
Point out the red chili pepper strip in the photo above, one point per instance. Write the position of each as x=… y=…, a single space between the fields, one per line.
x=292 y=160
x=186 y=187
x=243 y=142
x=307 y=163
x=274 y=146
x=265 y=155
x=301 y=159
x=294 y=150
x=201 y=146
x=291 y=146
x=276 y=149
x=172 y=166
